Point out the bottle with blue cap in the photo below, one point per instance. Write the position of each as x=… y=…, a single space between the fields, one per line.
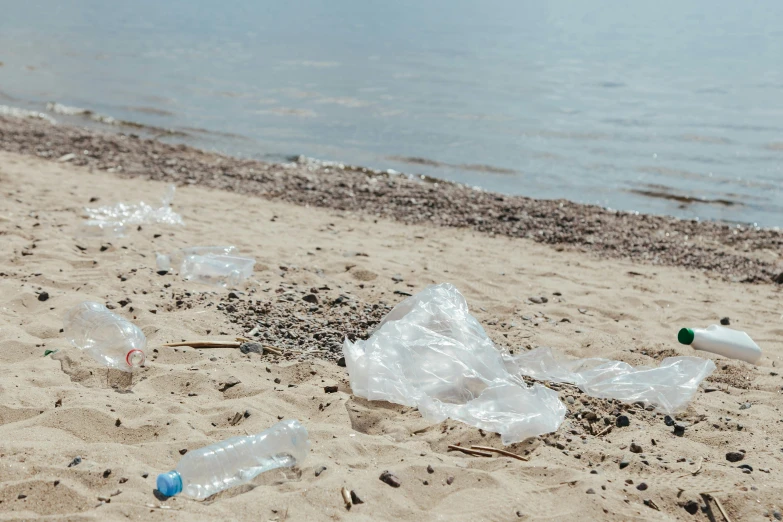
x=232 y=462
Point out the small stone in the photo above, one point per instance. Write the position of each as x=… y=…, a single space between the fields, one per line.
x=642 y=486
x=355 y=498
x=779 y=280
x=390 y=479
x=746 y=468
x=679 y=429
x=692 y=507
x=75 y=462
x=21 y=496
x=430 y=469
x=319 y=470
x=123 y=480
x=233 y=295
x=397 y=278
x=117 y=423
x=777 y=514
x=43 y=296
x=230 y=382
x=341 y=362
x=624 y=462
x=450 y=481
x=106 y=473
x=590 y=491
x=745 y=406
x=277 y=380
x=725 y=321
x=635 y=448
x=668 y=420
x=145 y=475
x=183 y=451
x=734 y=456
x=311 y=298
x=623 y=421
x=538 y=299
x=426 y=482
x=330 y=389
x=570 y=400
x=590 y=416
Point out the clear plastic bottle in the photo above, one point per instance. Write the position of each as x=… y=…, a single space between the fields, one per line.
x=110 y=339
x=204 y=472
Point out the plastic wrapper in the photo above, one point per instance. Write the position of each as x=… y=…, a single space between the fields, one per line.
x=117 y=216
x=429 y=352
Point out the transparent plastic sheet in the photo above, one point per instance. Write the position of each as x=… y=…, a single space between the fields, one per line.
x=429 y=352
x=115 y=217
x=669 y=387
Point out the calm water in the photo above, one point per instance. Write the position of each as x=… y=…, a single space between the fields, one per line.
x=637 y=107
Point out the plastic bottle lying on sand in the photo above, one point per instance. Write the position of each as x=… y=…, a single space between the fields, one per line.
x=110 y=339
x=722 y=341
x=225 y=271
x=204 y=472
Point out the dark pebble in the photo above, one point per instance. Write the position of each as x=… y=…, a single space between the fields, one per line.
x=635 y=448
x=450 y=481
x=117 y=423
x=668 y=420
x=233 y=295
x=330 y=389
x=106 y=473
x=341 y=362
x=624 y=462
x=183 y=451
x=590 y=491
x=355 y=498
x=145 y=475
x=390 y=479
x=725 y=321
x=692 y=507
x=311 y=298
x=734 y=456
x=43 y=296
x=679 y=429
x=21 y=496
x=123 y=480
x=642 y=486
x=623 y=421
x=430 y=469
x=277 y=380
x=746 y=468
x=75 y=462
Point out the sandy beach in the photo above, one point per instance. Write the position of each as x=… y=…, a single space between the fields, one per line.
x=618 y=286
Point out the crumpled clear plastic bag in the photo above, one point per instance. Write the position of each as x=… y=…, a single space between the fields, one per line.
x=429 y=352
x=112 y=219
x=669 y=387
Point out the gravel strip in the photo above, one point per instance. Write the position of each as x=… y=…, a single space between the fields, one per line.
x=732 y=252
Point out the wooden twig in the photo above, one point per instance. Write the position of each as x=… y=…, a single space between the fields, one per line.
x=707 y=497
x=271 y=349
x=346 y=498
x=472 y=452
x=206 y=344
x=605 y=431
x=502 y=452
x=242 y=339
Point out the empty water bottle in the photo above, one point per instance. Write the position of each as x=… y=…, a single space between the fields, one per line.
x=110 y=339
x=204 y=472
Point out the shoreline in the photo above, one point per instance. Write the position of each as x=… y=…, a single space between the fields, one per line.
x=732 y=252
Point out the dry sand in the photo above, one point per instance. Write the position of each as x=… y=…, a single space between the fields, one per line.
x=55 y=408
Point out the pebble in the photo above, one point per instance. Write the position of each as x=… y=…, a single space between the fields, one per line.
x=692 y=507
x=745 y=406
x=330 y=389
x=725 y=321
x=538 y=299
x=590 y=491
x=341 y=362
x=642 y=486
x=570 y=400
x=355 y=498
x=624 y=462
x=106 y=473
x=668 y=420
x=623 y=421
x=311 y=298
x=635 y=448
x=450 y=481
x=679 y=429
x=430 y=469
x=43 y=296
x=319 y=470
x=145 y=475
x=183 y=451
x=390 y=479
x=734 y=456
x=777 y=514
x=746 y=468
x=397 y=278
x=75 y=462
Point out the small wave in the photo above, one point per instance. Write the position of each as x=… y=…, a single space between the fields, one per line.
x=477 y=167
x=66 y=110
x=682 y=198
x=15 y=112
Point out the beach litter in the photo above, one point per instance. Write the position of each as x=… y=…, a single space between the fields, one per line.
x=113 y=220
x=211 y=265
x=430 y=353
x=720 y=340
x=202 y=473
x=107 y=337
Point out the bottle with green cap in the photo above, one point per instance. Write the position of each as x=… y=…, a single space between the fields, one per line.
x=722 y=341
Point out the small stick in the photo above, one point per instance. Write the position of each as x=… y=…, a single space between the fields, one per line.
x=271 y=349
x=242 y=339
x=699 y=468
x=708 y=497
x=206 y=344
x=653 y=505
x=502 y=452
x=605 y=431
x=474 y=453
x=347 y=498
